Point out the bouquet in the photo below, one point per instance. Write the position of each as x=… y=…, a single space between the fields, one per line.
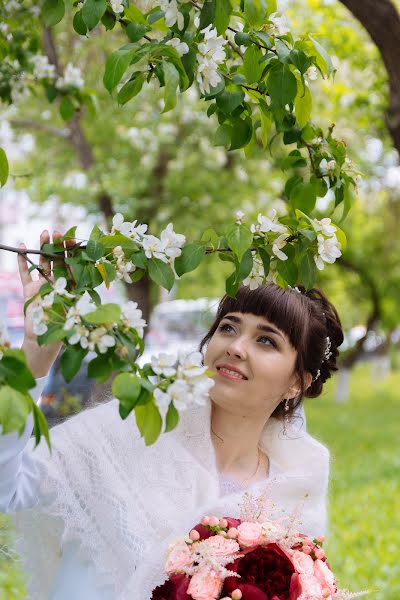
x=233 y=559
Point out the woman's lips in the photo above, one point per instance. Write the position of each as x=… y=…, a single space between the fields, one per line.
x=230 y=374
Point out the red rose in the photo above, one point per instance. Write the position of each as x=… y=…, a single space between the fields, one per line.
x=173 y=589
x=265 y=574
x=205 y=532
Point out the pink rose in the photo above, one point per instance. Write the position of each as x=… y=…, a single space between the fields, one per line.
x=303 y=563
x=250 y=534
x=324 y=575
x=304 y=587
x=222 y=546
x=205 y=585
x=179 y=558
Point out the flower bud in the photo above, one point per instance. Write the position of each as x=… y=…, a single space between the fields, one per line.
x=232 y=533
x=214 y=521
x=194 y=535
x=223 y=523
x=237 y=594
x=205 y=521
x=319 y=553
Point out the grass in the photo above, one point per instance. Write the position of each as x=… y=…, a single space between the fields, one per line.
x=363 y=436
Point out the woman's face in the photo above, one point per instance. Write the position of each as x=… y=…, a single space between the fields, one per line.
x=254 y=365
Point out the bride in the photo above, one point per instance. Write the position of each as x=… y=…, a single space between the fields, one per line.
x=95 y=516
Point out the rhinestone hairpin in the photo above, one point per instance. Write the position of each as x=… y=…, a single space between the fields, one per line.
x=328 y=352
x=295 y=289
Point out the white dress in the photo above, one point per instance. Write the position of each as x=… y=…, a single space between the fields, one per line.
x=95 y=517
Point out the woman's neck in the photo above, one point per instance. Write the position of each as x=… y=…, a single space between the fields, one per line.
x=236 y=443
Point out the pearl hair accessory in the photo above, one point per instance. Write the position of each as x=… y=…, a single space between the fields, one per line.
x=327 y=355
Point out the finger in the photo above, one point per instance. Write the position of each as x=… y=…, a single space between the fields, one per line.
x=24 y=274
x=56 y=238
x=44 y=263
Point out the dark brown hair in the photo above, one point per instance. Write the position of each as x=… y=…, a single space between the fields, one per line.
x=307 y=318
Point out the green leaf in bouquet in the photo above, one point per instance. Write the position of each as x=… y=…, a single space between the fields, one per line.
x=239 y=238
x=161 y=273
x=92 y=11
x=52 y=12
x=149 y=421
x=126 y=388
x=14 y=409
x=4 y=168
x=172 y=418
x=190 y=258
x=107 y=314
x=71 y=361
x=40 y=426
x=100 y=368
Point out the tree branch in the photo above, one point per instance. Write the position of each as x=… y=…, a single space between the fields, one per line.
x=382 y=21
x=25 y=123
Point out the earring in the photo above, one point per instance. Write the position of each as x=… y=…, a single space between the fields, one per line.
x=286 y=417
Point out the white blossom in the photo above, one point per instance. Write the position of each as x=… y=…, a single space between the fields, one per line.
x=101 y=339
x=131 y=316
x=124 y=267
x=117 y=6
x=153 y=247
x=191 y=365
x=256 y=277
x=162 y=398
x=210 y=54
x=172 y=242
x=42 y=69
x=84 y=305
x=47 y=300
x=280 y=24
x=325 y=226
x=80 y=335
x=265 y=224
x=163 y=364
x=60 y=288
x=327 y=167
x=39 y=320
x=4 y=339
x=278 y=244
x=171 y=13
x=239 y=214
x=328 y=251
x=180 y=394
x=72 y=78
x=312 y=73
x=181 y=47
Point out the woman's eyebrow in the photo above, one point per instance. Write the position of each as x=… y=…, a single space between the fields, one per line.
x=261 y=326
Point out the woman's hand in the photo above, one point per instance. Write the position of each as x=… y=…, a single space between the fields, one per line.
x=39 y=358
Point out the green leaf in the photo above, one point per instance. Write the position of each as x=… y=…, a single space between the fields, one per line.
x=100 y=368
x=126 y=388
x=171 y=78
x=254 y=11
x=251 y=64
x=223 y=135
x=303 y=106
x=304 y=197
x=79 y=24
x=55 y=333
x=232 y=285
x=161 y=273
x=71 y=361
x=266 y=259
x=324 y=61
x=70 y=234
x=15 y=372
x=282 y=50
x=223 y=11
x=228 y=101
x=111 y=241
x=40 y=426
x=172 y=418
x=92 y=11
x=14 y=409
x=239 y=238
x=241 y=133
x=96 y=233
x=300 y=60
x=109 y=20
x=131 y=88
x=281 y=85
x=67 y=109
x=116 y=65
x=287 y=269
x=272 y=6
x=135 y=31
x=307 y=270
x=244 y=267
x=207 y=14
x=132 y=13
x=4 y=168
x=95 y=249
x=190 y=258
x=149 y=422
x=107 y=314
x=266 y=121
x=211 y=236
x=52 y=12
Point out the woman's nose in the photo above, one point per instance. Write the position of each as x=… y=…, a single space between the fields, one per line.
x=237 y=348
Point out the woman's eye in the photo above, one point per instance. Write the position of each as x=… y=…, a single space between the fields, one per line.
x=226 y=328
x=266 y=340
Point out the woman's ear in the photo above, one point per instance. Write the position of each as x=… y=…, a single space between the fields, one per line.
x=295 y=388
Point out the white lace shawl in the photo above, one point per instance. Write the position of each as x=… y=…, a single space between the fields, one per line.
x=125 y=502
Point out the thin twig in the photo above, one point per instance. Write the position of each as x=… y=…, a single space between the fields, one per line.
x=25 y=251
x=236 y=49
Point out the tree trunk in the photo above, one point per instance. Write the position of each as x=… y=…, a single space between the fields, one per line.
x=382 y=21
x=343 y=385
x=140 y=292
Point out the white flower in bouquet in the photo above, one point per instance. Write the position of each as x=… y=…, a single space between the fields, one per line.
x=278 y=244
x=117 y=6
x=280 y=24
x=100 y=338
x=172 y=241
x=153 y=247
x=164 y=364
x=265 y=224
x=131 y=316
x=256 y=277
x=171 y=13
x=42 y=69
x=84 y=305
x=328 y=251
x=181 y=47
x=72 y=78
